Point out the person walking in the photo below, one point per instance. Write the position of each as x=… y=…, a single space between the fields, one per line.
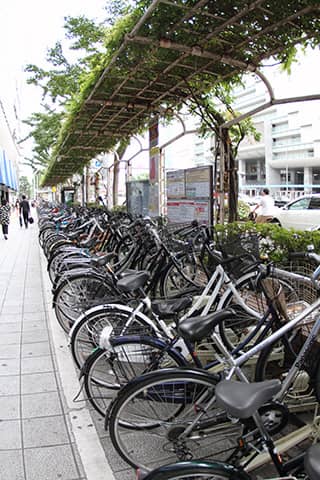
x=24 y=209
x=5 y=217
x=265 y=206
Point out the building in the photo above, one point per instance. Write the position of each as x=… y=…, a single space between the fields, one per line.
x=287 y=157
x=9 y=157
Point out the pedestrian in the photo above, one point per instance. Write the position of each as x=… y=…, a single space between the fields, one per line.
x=24 y=210
x=265 y=206
x=5 y=217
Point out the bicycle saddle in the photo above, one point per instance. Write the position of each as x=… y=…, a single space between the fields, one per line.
x=170 y=307
x=241 y=399
x=197 y=328
x=101 y=260
x=312 y=462
x=132 y=282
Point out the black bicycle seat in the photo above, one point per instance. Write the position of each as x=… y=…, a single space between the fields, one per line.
x=168 y=308
x=197 y=328
x=132 y=282
x=101 y=260
x=241 y=399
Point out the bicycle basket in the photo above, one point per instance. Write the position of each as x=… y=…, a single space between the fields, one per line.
x=245 y=249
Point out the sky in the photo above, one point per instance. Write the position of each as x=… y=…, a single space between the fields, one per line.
x=27 y=30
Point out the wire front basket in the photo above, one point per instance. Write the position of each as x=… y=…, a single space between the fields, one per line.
x=245 y=249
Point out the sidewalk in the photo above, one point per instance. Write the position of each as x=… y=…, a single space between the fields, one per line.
x=44 y=435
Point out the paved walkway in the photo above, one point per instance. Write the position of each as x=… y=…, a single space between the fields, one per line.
x=44 y=435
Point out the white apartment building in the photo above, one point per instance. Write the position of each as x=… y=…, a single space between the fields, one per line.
x=287 y=158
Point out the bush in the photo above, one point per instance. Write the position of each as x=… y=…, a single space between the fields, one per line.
x=243 y=210
x=275 y=242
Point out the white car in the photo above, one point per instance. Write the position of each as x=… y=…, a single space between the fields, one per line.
x=301 y=214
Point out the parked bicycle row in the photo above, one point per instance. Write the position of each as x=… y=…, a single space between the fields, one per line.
x=222 y=366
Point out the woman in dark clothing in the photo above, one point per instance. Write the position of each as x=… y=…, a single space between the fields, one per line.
x=5 y=217
x=25 y=210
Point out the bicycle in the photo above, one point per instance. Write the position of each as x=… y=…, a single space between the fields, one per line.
x=243 y=405
x=175 y=409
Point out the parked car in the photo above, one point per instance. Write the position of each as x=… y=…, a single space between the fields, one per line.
x=301 y=214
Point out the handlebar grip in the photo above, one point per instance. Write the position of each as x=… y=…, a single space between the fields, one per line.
x=298 y=255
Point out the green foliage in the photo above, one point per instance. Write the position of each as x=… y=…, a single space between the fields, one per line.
x=275 y=242
x=119 y=209
x=24 y=186
x=44 y=128
x=243 y=210
x=121 y=59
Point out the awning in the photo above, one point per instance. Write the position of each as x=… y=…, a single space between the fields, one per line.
x=8 y=176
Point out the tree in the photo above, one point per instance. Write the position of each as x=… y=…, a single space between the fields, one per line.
x=24 y=186
x=63 y=81
x=214 y=108
x=44 y=130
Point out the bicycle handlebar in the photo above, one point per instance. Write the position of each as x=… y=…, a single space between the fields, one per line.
x=310 y=256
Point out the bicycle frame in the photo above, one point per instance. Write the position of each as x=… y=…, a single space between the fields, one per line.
x=233 y=365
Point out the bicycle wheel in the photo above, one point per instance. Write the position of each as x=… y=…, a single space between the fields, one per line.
x=129 y=357
x=148 y=418
x=276 y=360
x=58 y=258
x=85 y=333
x=77 y=294
x=198 y=470
x=241 y=329
x=189 y=273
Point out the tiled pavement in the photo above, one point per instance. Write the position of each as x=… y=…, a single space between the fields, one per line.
x=41 y=430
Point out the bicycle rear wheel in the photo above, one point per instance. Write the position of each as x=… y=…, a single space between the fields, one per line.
x=188 y=273
x=85 y=333
x=77 y=294
x=107 y=370
x=150 y=415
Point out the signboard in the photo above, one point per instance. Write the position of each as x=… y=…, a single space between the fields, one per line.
x=190 y=195
x=154 y=165
x=181 y=211
x=176 y=184
x=198 y=182
x=154 y=169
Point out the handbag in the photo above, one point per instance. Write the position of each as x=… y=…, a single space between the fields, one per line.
x=30 y=220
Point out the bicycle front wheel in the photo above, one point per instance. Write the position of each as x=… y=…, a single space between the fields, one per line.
x=149 y=421
x=188 y=272
x=197 y=470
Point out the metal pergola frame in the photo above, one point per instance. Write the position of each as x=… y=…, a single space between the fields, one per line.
x=174 y=42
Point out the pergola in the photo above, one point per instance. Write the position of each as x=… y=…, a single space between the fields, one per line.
x=164 y=48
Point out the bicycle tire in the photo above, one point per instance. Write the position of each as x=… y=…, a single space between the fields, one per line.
x=276 y=360
x=237 y=330
x=85 y=333
x=198 y=470
x=173 y=283
x=129 y=357
x=166 y=403
x=76 y=294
